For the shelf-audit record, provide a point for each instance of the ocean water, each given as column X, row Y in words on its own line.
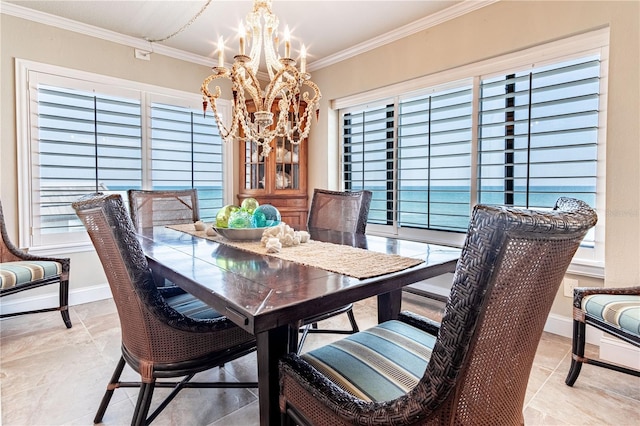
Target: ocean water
column 440, row 208
column 449, row 208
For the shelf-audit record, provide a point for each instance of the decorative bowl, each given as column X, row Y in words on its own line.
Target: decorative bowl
column 241, row 234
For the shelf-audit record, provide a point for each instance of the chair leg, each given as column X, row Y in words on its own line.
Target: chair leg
column 143, row 404
column 577, row 351
column 352, row 320
column 64, row 302
column 305, row 332
column 169, row 398
column 109, row 393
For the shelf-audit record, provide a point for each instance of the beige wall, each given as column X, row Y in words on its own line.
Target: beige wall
column 494, row 30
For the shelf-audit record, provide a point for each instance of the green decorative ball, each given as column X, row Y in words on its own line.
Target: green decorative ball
column 222, row 217
column 249, row 205
column 240, row 219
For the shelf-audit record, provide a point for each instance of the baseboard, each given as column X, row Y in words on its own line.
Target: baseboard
column 619, row 352
column 563, row 326
column 12, row 304
column 556, row 324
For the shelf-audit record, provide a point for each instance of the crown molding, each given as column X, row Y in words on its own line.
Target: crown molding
column 459, row 9
column 452, row 12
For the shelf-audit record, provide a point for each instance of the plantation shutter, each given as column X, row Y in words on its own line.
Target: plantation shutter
column 187, row 153
column 86, row 142
column 368, row 158
column 434, row 160
column 538, row 135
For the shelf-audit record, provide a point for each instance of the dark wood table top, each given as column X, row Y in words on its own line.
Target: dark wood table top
column 268, row 296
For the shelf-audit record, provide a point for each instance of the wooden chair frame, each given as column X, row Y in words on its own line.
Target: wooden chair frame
column 10, row 253
column 580, row 321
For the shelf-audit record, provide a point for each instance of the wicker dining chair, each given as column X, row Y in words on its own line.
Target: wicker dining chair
column 338, row 211
column 149, row 208
column 20, row 271
column 473, row 368
column 615, row 311
column 159, row 340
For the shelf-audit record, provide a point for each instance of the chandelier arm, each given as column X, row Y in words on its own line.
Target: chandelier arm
column 277, row 86
column 225, row 133
column 251, row 85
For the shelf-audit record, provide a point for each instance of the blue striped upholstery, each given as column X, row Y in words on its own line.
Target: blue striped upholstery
column 378, row 364
column 22, row 272
column 191, row 306
column 622, row 311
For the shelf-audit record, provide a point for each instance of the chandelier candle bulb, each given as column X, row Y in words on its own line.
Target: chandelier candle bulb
column 220, row 52
column 303, row 60
column 242, row 34
column 287, row 43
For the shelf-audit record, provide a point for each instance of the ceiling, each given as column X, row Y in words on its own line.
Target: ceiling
column 328, row 28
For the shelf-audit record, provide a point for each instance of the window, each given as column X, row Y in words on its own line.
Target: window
column 87, row 142
column 186, row 151
column 521, row 136
column 538, row 135
column 87, row 133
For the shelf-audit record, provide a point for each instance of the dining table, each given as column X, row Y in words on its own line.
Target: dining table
column 269, row 295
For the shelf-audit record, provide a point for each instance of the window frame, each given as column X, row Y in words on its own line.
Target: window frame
column 26, row 72
column 588, row 261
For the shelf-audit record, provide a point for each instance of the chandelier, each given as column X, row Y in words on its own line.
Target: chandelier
column 296, row 96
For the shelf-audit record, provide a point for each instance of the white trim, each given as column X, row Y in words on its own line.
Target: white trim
column 580, row 266
column 23, row 134
column 55, row 70
column 563, row 326
column 619, row 352
column 51, row 299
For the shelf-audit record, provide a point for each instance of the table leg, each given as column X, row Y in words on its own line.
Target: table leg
column 389, row 305
column 271, row 346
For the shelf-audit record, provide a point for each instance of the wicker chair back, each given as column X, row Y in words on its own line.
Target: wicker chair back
column 339, row 211
column 165, row 207
column 512, row 264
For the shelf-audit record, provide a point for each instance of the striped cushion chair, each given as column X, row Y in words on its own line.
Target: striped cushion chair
column 20, row 271
column 615, row 311
column 474, row 367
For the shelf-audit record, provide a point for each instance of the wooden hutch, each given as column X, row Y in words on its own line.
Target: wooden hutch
column 279, row 179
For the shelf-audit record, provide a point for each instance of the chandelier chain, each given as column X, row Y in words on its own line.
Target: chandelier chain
column 184, row 27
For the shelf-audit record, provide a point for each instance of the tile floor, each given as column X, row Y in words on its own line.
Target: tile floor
column 50, row 375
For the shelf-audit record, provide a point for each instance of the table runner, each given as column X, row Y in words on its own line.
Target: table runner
column 346, row 260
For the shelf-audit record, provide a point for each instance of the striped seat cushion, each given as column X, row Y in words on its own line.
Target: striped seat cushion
column 622, row 311
column 378, row 364
column 190, row 306
column 22, row 272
